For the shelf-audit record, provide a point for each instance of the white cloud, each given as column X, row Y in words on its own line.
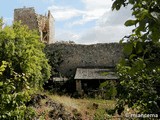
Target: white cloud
column 64, row 13
column 89, row 16
column 66, row 35
column 109, row 28
column 97, row 34
column 93, row 9
column 97, row 4
column 106, row 34
column 115, row 18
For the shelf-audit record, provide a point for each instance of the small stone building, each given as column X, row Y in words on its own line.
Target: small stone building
column 87, row 63
column 91, row 78
column 43, row 24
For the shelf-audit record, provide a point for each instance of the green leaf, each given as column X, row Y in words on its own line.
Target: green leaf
column 132, row 56
column 1, row 83
column 130, row 22
column 143, row 14
column 139, row 47
column 103, row 84
column 132, row 1
column 128, row 48
column 121, row 41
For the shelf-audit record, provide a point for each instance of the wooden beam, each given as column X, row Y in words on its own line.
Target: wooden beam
column 79, row 86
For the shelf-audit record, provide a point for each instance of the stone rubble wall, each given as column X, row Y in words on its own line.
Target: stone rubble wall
column 86, row 56
column 27, row 16
column 51, row 26
column 43, row 24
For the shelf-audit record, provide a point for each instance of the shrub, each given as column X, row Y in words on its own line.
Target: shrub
column 23, row 70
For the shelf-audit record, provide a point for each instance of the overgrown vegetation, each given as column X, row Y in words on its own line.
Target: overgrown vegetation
column 49, row 106
column 55, row 59
column 23, row 70
column 139, row 71
column 109, row 89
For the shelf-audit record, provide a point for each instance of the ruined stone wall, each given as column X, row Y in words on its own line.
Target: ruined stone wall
column 51, row 28
column 27, row 17
column 43, row 24
column 90, row 56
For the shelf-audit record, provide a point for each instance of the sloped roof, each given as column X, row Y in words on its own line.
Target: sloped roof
column 89, row 74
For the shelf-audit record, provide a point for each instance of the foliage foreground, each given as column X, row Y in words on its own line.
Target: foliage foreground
column 23, row 69
column 139, row 71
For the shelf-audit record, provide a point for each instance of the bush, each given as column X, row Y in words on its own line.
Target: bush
column 23, row 69
column 110, row 89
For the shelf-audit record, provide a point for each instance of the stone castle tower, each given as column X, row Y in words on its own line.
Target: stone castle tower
column 43, row 24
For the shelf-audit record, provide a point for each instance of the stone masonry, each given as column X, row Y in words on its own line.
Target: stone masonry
column 86, row 56
column 43, row 24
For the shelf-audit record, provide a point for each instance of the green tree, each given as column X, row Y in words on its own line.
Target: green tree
column 139, row 71
column 1, row 23
column 55, row 59
column 24, row 68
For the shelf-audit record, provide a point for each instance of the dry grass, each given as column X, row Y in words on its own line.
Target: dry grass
column 66, row 101
column 80, row 104
column 84, row 106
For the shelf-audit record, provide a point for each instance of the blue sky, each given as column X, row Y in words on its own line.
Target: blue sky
column 81, row 21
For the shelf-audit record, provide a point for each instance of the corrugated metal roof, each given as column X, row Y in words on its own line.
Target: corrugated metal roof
column 106, row 74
